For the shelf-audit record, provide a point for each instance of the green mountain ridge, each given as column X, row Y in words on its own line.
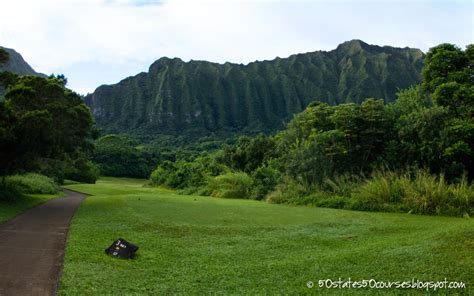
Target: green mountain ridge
column 198, row 97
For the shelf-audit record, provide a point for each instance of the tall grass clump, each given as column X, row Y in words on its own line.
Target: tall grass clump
column 340, row 185
column 330, row 193
column 289, row 191
column 31, row 183
column 420, row 193
column 434, row 196
column 229, row 185
column 462, row 197
column 383, row 191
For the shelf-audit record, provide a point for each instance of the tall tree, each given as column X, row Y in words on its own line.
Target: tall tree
column 42, row 124
column 448, row 76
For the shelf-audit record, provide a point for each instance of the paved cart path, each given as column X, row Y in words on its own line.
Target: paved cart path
column 32, row 247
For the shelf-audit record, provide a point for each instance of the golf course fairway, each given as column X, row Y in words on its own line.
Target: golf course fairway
column 205, row 245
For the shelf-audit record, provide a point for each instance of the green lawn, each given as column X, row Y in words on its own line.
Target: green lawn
column 197, row 245
column 10, row 209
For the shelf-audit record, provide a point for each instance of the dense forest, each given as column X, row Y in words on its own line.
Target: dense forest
column 186, row 101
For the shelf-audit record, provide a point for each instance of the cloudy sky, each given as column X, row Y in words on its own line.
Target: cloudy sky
column 96, row 42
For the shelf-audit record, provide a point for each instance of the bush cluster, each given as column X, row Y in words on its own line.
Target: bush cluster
column 31, row 183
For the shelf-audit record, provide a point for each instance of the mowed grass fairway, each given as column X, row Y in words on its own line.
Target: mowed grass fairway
column 197, row 245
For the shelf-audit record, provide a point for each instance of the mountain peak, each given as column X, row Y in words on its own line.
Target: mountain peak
column 354, row 42
column 163, row 61
column 16, row 64
column 356, row 46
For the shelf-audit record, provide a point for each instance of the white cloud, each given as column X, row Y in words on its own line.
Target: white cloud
column 101, row 41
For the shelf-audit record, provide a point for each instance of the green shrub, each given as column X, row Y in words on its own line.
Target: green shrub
column 372, row 206
column 180, row 176
column 287, row 191
column 264, row 180
column 172, row 174
column 186, row 174
column 230, row 185
column 321, row 199
column 158, row 176
column 70, row 182
column 335, row 202
column 31, row 184
column 82, row 170
column 54, row 169
column 9, row 193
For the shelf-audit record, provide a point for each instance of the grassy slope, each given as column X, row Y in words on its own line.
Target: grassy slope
column 10, row 209
column 191, row 244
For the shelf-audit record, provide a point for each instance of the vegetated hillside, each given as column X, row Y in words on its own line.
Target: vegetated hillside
column 15, row 64
column 198, row 97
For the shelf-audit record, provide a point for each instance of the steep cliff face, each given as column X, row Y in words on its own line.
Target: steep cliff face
column 175, row 97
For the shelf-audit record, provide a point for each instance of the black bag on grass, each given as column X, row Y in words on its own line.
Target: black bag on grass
column 121, row 249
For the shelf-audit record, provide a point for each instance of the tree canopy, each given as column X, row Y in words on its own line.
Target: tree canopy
column 43, row 126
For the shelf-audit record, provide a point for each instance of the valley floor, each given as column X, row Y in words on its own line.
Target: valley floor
column 203, row 245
